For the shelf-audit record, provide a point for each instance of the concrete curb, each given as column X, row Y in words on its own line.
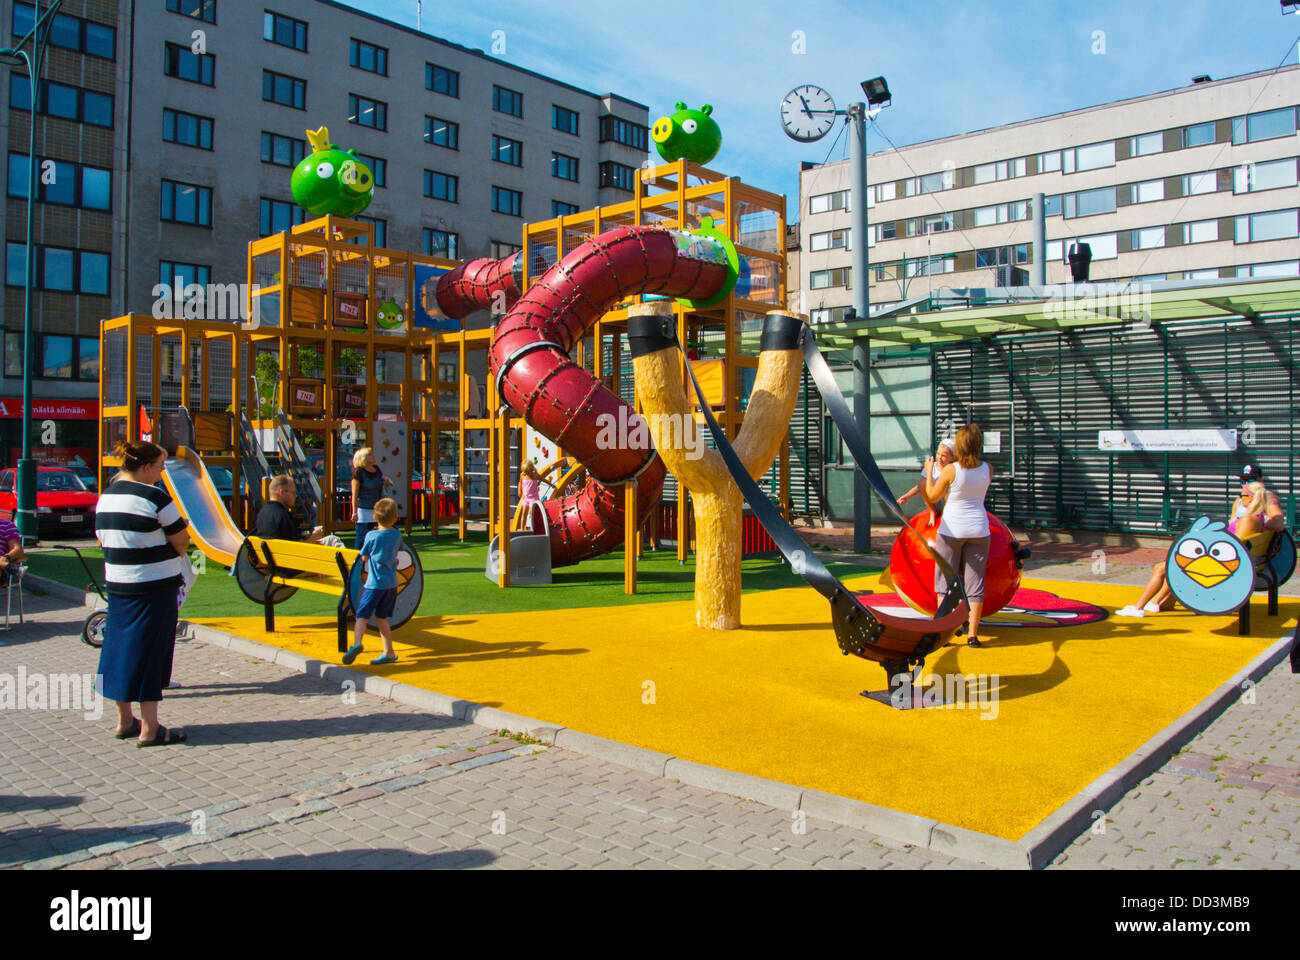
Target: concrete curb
column 1033, row 851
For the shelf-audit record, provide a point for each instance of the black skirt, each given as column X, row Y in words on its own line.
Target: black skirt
column 135, row 663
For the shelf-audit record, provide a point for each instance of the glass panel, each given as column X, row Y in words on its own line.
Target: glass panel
column 1200, row 183
column 17, row 186
column 1273, row 226
column 1104, row 246
column 1098, row 155
column 61, row 101
column 57, row 274
column 94, row 273
column 1198, row 134
column 56, row 356
column 1092, row 202
column 15, row 264
column 1275, row 123
column 13, row 355
column 1151, row 190
column 88, row 358
column 1149, row 238
column 1048, row 162
column 1146, row 144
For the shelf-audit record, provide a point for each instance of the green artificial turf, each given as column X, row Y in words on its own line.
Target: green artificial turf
column 454, row 582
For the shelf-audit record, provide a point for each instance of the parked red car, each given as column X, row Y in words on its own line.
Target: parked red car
column 62, row 500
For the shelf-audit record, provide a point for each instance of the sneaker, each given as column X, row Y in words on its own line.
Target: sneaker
column 1130, row 611
column 1152, row 607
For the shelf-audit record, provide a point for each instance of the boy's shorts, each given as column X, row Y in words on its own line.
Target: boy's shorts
column 377, row 603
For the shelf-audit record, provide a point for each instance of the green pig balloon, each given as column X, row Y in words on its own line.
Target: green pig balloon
column 692, row 134
column 330, row 180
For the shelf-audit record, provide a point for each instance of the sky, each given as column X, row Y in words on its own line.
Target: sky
column 951, row 67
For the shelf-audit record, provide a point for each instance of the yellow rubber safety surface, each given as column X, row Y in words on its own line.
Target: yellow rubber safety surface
column 776, row 698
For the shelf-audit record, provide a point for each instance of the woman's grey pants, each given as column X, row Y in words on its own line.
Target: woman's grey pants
column 968, row 556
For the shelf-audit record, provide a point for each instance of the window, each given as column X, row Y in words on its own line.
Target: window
column 1203, row 231
column 378, row 168
column 623, row 131
column 187, row 129
column 831, row 240
column 833, row 315
column 286, row 31
column 365, row 112
column 56, row 357
column 1049, row 162
column 1052, row 205
column 886, row 191
column 178, row 276
column 499, row 250
column 1285, row 268
column 1194, row 183
column 1264, row 126
column 284, row 90
column 58, row 269
column 441, row 186
column 186, row 203
column 1146, row 144
column 1091, row 157
column 278, row 216
column 939, row 223
column 440, row 243
column 69, row 32
column 1148, row 191
column 61, row 100
column 987, row 216
column 885, row 231
column 1087, row 203
column 441, row 80
column 507, row 201
column 562, row 209
column 69, row 184
column 1149, row 239
column 564, row 119
column 826, row 202
column 1252, row 177
column 1276, row 225
column 1105, row 246
column 932, row 183
column 984, row 173
column 836, row 277
column 564, row 167
column 183, row 64
column 367, row 56
column 617, row 175
column 1198, row 134
column 198, row 9
column 282, row 151
column 442, row 133
column 507, row 101
column 505, row 150
column 88, row 358
column 381, row 231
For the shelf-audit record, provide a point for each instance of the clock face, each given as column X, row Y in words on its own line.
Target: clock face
column 807, row 113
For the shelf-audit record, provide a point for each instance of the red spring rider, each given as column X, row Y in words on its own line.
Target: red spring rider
column 912, row 568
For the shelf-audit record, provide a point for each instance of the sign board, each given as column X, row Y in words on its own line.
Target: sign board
column 1167, row 441
column 993, row 441
column 12, row 409
column 427, row 314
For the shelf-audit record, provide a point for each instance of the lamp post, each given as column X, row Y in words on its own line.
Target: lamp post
column 25, row 488
column 878, row 97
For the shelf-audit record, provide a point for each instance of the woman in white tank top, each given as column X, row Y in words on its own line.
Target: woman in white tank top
column 963, row 536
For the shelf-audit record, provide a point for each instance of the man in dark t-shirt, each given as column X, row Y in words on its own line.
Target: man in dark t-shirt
column 275, row 520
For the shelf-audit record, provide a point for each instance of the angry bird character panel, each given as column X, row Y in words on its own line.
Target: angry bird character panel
column 1209, row 570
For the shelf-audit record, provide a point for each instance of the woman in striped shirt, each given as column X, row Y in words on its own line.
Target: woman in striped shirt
column 145, row 540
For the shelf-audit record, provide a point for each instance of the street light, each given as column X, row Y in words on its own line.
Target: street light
column 25, row 488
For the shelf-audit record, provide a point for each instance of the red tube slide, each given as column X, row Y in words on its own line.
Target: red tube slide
column 559, row 398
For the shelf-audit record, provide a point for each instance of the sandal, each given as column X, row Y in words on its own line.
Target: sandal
column 974, row 642
column 131, row 731
column 163, row 737
column 386, row 658
column 352, row 653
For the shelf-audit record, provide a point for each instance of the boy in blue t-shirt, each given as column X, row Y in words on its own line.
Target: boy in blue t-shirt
column 380, row 592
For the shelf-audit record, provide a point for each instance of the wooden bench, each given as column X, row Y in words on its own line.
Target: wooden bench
column 314, row 567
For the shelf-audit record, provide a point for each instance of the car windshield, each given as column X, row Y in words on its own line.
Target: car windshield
column 57, row 481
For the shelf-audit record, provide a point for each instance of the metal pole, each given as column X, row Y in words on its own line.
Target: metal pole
column 26, row 474
column 1039, row 213
column 860, row 285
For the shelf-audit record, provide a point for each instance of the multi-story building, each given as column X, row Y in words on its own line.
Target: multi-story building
column 174, row 126
column 1197, row 182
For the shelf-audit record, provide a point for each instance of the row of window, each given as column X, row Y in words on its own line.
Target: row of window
column 58, row 356
column 58, row 269
column 62, row 100
column 63, row 183
column 1266, row 125
column 68, row 32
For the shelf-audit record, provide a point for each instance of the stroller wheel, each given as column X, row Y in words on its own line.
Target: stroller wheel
column 92, row 631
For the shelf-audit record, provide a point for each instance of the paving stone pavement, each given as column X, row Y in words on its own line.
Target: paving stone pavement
column 287, row 771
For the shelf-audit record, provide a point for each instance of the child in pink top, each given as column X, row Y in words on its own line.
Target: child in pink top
column 530, row 485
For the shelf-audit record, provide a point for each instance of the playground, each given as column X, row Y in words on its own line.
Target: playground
column 658, row 593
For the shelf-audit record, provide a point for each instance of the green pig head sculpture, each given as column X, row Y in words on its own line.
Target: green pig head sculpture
column 330, row 180
column 692, row 134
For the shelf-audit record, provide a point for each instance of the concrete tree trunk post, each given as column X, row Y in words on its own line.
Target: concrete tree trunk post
column 679, row 440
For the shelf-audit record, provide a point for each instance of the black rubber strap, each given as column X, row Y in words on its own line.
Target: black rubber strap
column 861, row 453
column 649, row 333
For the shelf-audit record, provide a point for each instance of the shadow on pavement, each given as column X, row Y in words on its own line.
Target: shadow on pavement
column 386, row 858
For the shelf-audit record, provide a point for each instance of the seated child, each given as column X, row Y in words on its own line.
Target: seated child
column 380, row 593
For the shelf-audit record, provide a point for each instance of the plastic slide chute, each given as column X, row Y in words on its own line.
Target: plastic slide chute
column 191, row 487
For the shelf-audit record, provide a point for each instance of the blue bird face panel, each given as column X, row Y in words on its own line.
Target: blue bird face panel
column 1210, row 570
